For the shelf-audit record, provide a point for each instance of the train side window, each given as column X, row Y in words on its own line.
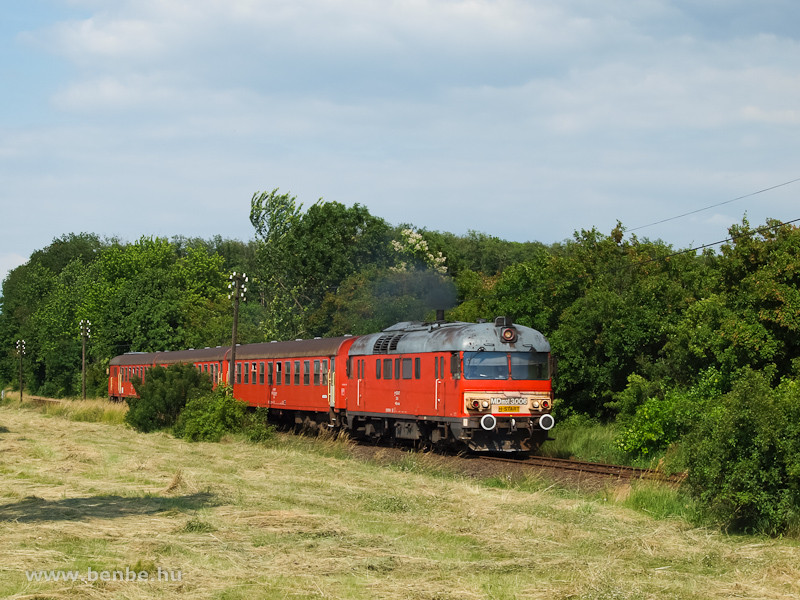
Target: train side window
column 254, row 374
column 441, row 366
column 407, row 368
column 435, row 367
column 387, row 368
column 287, row 373
column 378, row 369
column 247, row 372
column 278, row 372
column 261, row 373
column 455, row 365
column 238, row 372
column 397, row 368
column 416, row 368
column 325, row 371
column 306, row 372
column 316, row 372
column 297, row 372
column 269, row 373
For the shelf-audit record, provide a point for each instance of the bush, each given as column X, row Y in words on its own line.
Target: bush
column 660, row 422
column 744, row 457
column 163, row 395
column 209, row 417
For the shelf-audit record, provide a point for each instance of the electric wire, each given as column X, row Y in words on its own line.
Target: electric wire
column 635, row 266
column 715, row 205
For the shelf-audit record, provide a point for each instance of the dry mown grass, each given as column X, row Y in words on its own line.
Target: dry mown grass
column 294, row 520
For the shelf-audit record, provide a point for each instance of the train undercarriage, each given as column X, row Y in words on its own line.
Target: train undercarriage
column 521, row 434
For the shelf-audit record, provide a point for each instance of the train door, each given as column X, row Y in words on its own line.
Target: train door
column 438, row 372
column 331, row 374
column 361, row 366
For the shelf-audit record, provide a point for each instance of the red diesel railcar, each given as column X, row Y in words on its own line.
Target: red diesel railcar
column 483, row 386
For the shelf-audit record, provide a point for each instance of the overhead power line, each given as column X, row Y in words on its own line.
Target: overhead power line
column 638, row 265
column 715, row 205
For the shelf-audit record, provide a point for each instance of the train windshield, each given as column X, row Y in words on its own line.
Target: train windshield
column 502, row 365
column 529, row 365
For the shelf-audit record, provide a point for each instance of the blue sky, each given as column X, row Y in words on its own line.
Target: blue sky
column 525, row 120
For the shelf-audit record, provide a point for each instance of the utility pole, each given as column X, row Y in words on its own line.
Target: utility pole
column 20, row 353
column 237, row 291
column 85, row 324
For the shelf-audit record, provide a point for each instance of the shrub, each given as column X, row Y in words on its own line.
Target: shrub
column 211, row 416
column 744, row 457
column 660, row 422
column 163, row 395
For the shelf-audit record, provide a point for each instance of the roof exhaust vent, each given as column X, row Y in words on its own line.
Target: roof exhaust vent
column 440, row 315
column 503, row 322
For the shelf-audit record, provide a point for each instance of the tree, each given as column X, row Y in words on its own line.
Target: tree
column 304, row 256
column 373, row 299
column 163, row 395
column 744, row 457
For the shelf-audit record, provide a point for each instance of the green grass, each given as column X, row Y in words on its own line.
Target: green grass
column 584, row 439
column 662, row 502
column 303, row 517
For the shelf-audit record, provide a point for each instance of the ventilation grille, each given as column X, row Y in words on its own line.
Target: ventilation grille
column 386, row 343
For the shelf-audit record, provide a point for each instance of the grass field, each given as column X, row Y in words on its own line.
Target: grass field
column 302, row 518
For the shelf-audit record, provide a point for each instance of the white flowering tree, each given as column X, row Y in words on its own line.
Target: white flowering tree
column 414, row 247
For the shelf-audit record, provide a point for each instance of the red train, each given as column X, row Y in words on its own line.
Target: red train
column 483, row 386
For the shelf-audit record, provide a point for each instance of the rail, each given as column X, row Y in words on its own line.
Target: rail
column 619, row 471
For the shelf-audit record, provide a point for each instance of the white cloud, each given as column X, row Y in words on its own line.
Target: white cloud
column 524, row 118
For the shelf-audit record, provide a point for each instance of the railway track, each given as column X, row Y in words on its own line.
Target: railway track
column 618, row 471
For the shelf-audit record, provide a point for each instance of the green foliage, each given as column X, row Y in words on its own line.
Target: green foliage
column 638, row 391
column 149, row 295
column 479, row 252
column 583, row 438
column 662, row 501
column 163, row 395
column 744, row 457
column 374, row 299
column 305, row 256
column 209, row 417
column 663, row 419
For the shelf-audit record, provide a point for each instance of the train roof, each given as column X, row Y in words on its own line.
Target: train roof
column 412, row 337
column 265, row 350
column 409, row 337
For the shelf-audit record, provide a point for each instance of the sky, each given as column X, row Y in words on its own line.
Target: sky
column 525, row 120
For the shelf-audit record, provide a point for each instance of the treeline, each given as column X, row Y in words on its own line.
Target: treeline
column 650, row 336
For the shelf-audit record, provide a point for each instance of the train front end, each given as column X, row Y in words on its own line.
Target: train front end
column 505, row 375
